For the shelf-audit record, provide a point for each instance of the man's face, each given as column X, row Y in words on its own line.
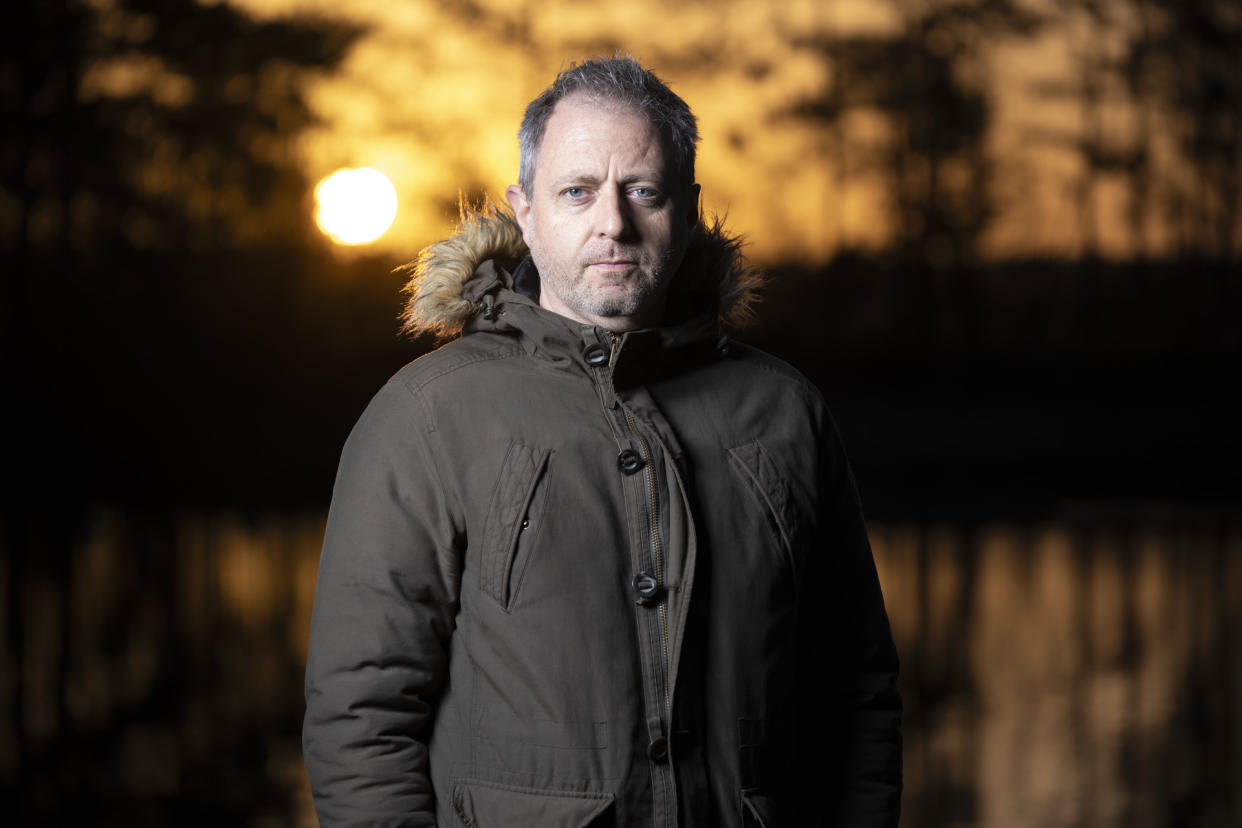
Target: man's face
column 607, row 221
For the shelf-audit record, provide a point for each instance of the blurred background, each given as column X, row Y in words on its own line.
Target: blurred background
column 1005, row 240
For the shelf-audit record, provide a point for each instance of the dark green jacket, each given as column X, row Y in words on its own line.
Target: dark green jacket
column 577, row 579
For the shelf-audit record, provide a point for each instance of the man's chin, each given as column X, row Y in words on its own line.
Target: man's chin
column 614, row 301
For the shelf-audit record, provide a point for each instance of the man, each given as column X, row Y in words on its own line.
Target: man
column 592, row 563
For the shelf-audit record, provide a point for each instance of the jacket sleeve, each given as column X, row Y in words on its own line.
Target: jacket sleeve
column 850, row 662
column 384, row 610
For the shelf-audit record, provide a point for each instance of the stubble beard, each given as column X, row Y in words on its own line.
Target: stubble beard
column 641, row 288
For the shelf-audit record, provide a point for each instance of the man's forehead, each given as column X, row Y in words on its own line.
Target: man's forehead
column 583, row 100
column 579, row 109
column 577, row 126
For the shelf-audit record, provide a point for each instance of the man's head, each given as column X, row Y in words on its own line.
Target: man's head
column 607, row 199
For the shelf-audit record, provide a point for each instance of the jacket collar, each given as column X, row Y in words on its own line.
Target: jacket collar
column 505, row 305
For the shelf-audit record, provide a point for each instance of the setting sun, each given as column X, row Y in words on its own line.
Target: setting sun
column 355, row 206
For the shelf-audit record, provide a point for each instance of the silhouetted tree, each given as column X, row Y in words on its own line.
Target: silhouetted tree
column 1175, row 70
column 156, row 123
column 929, row 82
column 1190, row 62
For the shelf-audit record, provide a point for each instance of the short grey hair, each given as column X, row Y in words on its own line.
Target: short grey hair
column 619, row 81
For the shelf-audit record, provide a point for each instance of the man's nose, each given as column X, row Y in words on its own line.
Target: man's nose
column 612, row 219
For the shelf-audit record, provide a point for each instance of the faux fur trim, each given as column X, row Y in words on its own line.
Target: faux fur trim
column 714, row 274
column 434, row 304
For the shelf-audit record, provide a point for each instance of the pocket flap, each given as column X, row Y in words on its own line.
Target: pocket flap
column 755, row 466
column 756, row 810
column 521, row 470
column 487, row 804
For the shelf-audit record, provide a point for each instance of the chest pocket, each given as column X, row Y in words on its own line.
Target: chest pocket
column 514, row 518
column 752, row 463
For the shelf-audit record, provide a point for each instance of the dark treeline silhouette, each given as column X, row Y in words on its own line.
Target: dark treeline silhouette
column 179, row 342
column 1059, row 382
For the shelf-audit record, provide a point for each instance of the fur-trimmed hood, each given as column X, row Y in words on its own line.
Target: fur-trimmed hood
column 714, row 276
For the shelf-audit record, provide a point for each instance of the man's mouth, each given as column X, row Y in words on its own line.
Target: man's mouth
column 613, row 264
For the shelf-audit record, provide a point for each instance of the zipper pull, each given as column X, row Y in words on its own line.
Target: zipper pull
column 614, row 347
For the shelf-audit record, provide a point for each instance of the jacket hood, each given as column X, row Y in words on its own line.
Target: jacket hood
column 715, row 277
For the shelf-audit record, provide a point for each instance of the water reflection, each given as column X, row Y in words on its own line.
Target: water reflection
column 1080, row 672
column 1083, row 671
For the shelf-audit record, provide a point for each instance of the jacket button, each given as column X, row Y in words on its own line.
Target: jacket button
column 595, row 355
column 647, row 589
column 657, row 751
column 629, row 461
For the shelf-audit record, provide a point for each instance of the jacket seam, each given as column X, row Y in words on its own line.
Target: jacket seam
column 416, row 388
column 432, row 446
column 600, row 796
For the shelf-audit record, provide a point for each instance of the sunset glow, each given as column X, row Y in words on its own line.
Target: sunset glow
column 355, row 206
column 832, row 127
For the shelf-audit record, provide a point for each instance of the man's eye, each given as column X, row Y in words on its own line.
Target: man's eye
column 645, row 193
column 575, row 192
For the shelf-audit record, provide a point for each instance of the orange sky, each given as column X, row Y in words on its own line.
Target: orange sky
column 435, row 104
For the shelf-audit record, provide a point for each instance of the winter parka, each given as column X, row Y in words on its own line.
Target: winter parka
column 572, row 578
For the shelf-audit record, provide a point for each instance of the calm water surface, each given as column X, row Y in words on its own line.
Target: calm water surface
column 1080, row 672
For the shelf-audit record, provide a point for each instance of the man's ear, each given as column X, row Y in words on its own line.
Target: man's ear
column 692, row 205
column 521, row 206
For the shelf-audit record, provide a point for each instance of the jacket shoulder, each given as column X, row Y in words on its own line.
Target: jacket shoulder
column 769, row 373
column 454, row 357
